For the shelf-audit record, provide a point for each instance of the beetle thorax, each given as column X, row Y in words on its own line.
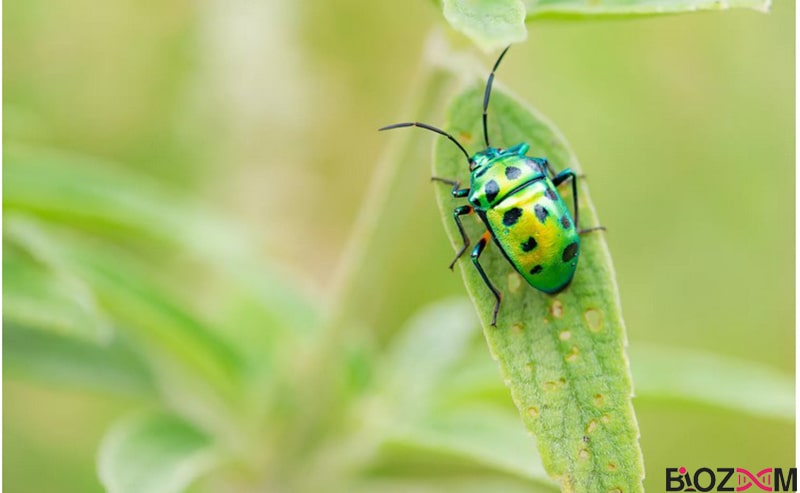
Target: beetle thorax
column 498, row 172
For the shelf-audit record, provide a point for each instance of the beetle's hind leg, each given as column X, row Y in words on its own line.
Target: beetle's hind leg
column 476, row 252
column 560, row 178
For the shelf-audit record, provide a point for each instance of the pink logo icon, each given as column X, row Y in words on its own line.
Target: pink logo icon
column 763, row 479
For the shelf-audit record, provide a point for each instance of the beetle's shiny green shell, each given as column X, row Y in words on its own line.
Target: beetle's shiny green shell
column 526, row 216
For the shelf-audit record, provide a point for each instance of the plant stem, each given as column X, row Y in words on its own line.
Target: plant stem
column 317, row 377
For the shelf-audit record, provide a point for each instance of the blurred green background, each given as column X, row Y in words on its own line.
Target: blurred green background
column 267, row 111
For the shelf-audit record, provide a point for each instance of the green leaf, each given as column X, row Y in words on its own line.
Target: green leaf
column 156, row 453
column 672, row 376
column 428, row 346
column 103, row 199
column 66, row 361
column 560, row 8
column 417, row 376
column 486, row 435
column 683, row 375
column 561, row 355
column 492, row 24
column 40, row 293
column 165, row 331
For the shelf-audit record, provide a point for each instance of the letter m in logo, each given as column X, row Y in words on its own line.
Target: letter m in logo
column 785, row 483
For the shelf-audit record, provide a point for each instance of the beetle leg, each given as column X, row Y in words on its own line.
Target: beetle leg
column 561, row 178
column 457, row 192
column 461, row 211
column 548, row 167
column 476, row 252
column 589, row 230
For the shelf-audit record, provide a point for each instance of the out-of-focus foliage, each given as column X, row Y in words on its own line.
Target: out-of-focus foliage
column 180, row 181
column 493, row 24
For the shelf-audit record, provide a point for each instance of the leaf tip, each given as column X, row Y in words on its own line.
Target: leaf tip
column 491, row 25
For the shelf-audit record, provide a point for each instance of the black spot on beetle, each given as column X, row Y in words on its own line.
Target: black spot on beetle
column 492, row 189
column 512, row 172
column 541, row 213
column 511, row 216
column 565, row 221
column 537, row 269
column 529, row 245
column 550, row 194
column 570, row 252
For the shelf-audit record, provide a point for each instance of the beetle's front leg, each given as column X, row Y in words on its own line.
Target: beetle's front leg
column 456, row 192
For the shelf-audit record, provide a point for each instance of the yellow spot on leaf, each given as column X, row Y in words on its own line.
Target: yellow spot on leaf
column 572, row 356
column 583, row 454
column 564, row 336
column 591, row 426
column 557, row 309
column 517, row 328
column 514, row 282
column 599, row 400
column 533, row 411
column 605, row 419
column 594, row 319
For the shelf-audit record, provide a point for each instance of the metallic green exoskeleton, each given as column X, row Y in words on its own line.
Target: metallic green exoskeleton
column 517, row 199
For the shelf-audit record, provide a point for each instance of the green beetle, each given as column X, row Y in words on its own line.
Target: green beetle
column 516, row 198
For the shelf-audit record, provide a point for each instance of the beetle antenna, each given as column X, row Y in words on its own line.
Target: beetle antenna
column 488, row 92
column 432, row 129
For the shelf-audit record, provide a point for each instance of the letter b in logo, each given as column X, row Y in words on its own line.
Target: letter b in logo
column 675, row 479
